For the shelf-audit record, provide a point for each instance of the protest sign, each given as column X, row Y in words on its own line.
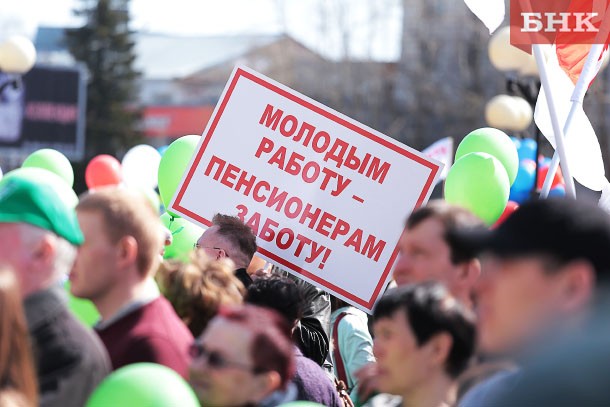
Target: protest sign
column 326, row 196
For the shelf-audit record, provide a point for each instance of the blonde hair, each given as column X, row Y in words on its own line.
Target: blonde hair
column 126, row 213
column 17, row 371
column 198, row 288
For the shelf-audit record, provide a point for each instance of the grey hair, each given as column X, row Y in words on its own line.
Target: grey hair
column 65, row 252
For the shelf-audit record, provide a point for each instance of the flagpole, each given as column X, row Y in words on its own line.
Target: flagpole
column 587, row 74
column 557, row 130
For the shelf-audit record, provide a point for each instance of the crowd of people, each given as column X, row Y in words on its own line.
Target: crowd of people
column 513, row 315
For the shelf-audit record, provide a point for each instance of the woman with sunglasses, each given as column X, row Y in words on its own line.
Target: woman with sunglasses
column 244, row 358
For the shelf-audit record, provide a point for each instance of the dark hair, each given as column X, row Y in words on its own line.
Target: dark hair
column 453, row 218
column 272, row 347
column 278, row 293
column 431, row 310
column 17, row 371
column 238, row 233
column 198, row 288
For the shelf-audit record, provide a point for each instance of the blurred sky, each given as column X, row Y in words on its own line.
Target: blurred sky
column 360, row 28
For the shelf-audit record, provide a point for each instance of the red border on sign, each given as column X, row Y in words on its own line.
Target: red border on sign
column 240, row 73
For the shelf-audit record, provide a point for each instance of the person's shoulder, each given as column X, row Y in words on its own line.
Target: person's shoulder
column 490, row 389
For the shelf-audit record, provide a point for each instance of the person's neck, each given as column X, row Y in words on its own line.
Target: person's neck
column 122, row 294
column 438, row 391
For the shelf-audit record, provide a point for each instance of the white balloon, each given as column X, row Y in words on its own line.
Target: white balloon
column 502, row 113
column 1, row 174
column 504, row 56
column 18, row 54
column 140, row 166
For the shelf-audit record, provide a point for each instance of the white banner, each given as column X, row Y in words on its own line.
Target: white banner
column 326, row 196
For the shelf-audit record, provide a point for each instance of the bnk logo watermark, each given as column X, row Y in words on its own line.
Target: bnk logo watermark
column 559, row 21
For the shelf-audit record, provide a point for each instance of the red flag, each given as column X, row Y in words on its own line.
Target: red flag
column 573, row 47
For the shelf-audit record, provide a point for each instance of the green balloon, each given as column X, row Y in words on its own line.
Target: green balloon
column 83, row 309
column 184, row 236
column 478, row 182
column 51, row 160
column 494, row 142
column 65, row 192
column 143, row 385
column 173, row 164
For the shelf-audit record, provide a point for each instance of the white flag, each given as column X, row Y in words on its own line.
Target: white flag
column 441, row 150
column 582, row 147
column 490, row 12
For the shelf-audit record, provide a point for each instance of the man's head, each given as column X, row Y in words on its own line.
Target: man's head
column 229, row 237
column 243, row 356
column 122, row 242
column 39, row 233
column 421, row 333
column 541, row 269
column 278, row 293
column 427, row 255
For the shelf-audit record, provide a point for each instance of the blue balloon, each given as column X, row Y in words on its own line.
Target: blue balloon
column 558, row 191
column 516, row 142
column 526, row 177
column 519, row 196
column 527, row 149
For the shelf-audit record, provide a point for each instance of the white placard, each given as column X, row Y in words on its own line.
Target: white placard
column 326, row 196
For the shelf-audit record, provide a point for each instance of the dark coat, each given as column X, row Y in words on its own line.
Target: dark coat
column 70, row 359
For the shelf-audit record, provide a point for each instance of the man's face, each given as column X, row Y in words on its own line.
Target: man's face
column 425, row 256
column 517, row 302
column 402, row 364
column 214, row 245
column 94, row 273
column 230, row 382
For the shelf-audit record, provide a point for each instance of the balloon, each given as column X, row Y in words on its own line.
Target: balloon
column 140, row 166
column 184, row 236
column 494, row 142
column 519, row 196
column 143, row 385
column 173, row 164
column 1, row 173
column 66, row 194
column 478, row 182
column 51, row 160
column 557, row 180
column 558, row 191
column 528, row 149
column 511, row 206
column 83, row 309
column 516, row 142
column 103, row 170
column 526, row 177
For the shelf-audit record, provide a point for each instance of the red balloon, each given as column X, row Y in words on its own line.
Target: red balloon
column 103, row 170
column 557, row 180
column 508, row 210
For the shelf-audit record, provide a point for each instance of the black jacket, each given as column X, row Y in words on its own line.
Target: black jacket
column 70, row 359
column 311, row 333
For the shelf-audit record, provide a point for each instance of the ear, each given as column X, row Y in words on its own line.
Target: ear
column 440, row 347
column 577, row 285
column 127, row 249
column 267, row 383
column 43, row 255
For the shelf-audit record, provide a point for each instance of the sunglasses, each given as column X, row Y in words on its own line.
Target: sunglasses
column 216, row 361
